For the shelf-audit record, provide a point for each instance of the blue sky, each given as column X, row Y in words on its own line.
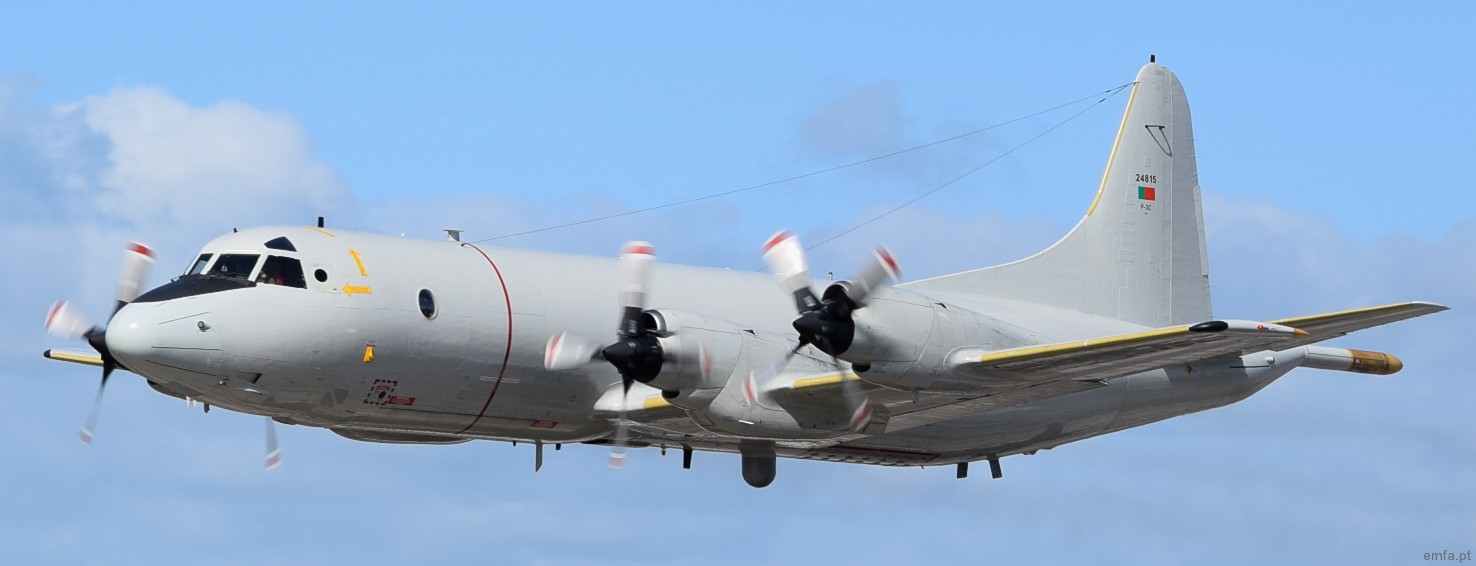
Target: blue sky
column 1334, row 148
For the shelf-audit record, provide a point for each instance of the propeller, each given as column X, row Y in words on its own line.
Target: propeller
column 827, row 322
column 636, row 352
column 64, row 321
column 273, row 454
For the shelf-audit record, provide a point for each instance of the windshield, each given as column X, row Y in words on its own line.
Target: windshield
column 235, row 266
column 199, row 265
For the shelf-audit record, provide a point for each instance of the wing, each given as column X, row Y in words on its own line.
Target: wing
column 1123, row 354
column 1058, row 369
column 1052, row 370
column 1334, row 324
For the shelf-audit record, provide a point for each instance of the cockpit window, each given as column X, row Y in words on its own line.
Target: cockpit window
column 237, row 266
column 199, row 265
column 281, row 243
column 282, row 271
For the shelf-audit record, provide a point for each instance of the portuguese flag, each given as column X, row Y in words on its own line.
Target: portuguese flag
column 1146, row 193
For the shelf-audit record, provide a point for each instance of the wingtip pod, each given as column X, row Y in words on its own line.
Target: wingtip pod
column 1355, row 361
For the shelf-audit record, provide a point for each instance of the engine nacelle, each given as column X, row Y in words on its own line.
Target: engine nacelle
column 903, row 341
column 699, row 352
column 892, row 327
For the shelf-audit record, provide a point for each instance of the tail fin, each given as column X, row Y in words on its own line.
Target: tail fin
column 1138, row 255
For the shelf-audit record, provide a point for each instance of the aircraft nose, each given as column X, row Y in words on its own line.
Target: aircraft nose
column 130, row 335
column 165, row 337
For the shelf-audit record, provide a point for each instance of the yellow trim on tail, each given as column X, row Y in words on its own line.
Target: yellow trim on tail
column 1112, row 157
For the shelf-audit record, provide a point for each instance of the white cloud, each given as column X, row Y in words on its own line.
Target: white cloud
column 228, row 163
column 82, row 179
column 140, row 161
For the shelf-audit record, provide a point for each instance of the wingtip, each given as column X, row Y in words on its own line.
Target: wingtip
column 1395, row 364
column 1434, row 307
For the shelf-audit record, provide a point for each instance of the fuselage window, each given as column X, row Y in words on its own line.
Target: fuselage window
column 427, row 303
column 281, row 243
column 237, row 266
column 199, row 266
column 282, row 271
column 320, row 275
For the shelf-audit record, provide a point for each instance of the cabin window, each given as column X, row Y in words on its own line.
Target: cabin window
column 235, row 266
column 199, row 266
column 281, row 243
column 320, row 275
column 283, row 271
column 427, row 304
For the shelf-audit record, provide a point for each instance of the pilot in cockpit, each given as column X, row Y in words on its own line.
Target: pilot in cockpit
column 270, row 274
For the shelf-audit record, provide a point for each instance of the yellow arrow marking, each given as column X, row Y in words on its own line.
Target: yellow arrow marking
column 360, row 262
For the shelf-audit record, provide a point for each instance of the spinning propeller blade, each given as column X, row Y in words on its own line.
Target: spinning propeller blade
column 273, row 453
column 63, row 321
column 137, row 260
column 567, row 351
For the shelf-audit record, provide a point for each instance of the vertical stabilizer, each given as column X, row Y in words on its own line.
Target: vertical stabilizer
column 1138, row 255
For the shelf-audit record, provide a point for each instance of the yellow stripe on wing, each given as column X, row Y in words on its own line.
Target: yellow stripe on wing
column 654, row 403
column 826, row 380
column 1032, row 352
column 1315, row 318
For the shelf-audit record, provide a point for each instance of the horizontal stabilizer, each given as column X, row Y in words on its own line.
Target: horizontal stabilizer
column 74, row 356
column 1124, row 354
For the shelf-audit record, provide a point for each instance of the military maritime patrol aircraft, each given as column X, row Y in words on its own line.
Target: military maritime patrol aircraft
column 392, row 340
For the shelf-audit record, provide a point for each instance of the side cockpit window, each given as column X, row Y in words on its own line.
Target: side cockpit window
column 235, row 266
column 284, row 271
column 199, row 265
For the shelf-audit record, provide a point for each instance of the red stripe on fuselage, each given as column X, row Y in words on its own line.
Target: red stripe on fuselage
column 507, row 353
